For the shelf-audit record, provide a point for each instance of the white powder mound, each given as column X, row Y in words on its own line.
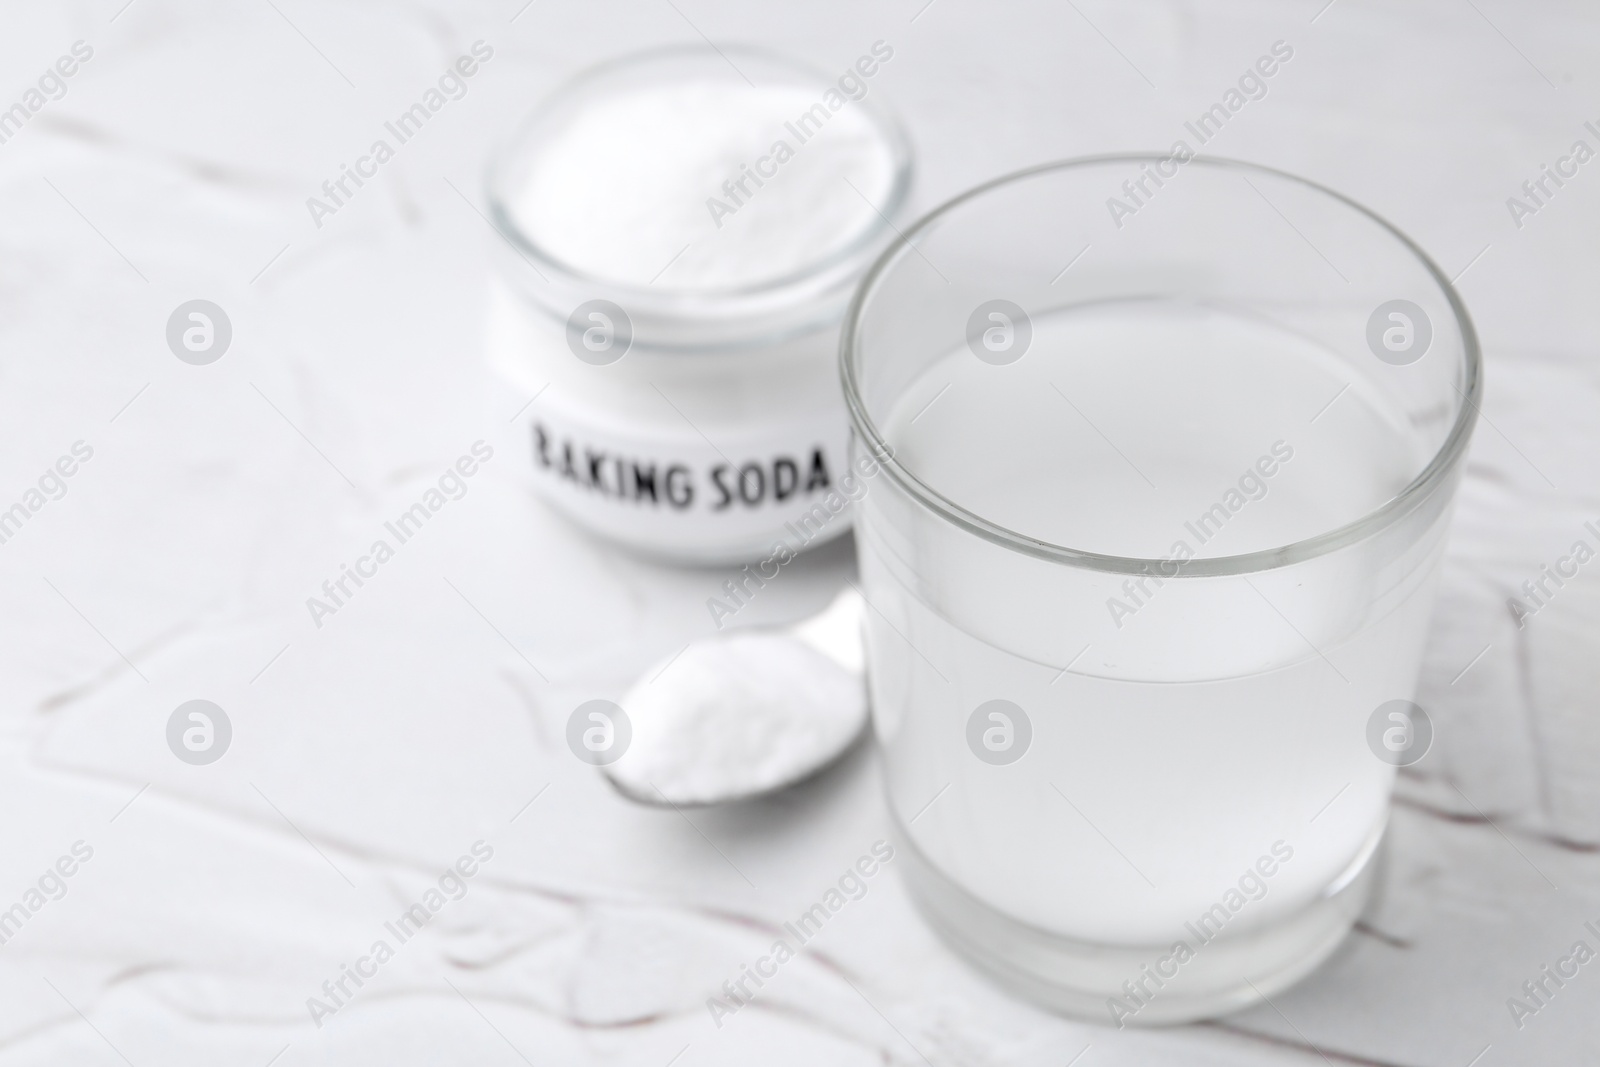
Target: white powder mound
column 736, row 715
column 619, row 191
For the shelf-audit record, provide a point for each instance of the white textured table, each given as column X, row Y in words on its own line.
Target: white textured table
column 426, row 715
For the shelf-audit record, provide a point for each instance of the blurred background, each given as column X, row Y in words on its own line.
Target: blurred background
column 423, row 723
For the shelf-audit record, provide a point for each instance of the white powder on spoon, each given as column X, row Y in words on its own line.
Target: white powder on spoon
column 746, row 712
column 620, row 189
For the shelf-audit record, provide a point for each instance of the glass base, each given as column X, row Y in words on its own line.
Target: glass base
column 1124, row 985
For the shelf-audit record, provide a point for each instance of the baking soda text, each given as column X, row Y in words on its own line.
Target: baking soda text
column 677, row 485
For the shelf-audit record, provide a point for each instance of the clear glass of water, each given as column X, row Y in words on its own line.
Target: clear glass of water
column 1168, row 449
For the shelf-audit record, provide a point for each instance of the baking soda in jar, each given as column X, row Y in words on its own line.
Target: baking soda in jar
column 683, row 229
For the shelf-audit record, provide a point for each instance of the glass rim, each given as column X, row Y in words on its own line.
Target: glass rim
column 1391, row 511
column 710, row 299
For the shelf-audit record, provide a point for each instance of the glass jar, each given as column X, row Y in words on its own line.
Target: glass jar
column 679, row 247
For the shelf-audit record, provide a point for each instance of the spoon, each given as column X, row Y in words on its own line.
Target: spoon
column 747, row 712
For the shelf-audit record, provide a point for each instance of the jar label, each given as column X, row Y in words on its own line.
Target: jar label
column 686, row 495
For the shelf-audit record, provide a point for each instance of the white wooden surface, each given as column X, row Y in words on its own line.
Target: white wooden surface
column 370, row 753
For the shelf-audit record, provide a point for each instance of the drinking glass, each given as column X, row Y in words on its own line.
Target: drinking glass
column 1168, row 449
